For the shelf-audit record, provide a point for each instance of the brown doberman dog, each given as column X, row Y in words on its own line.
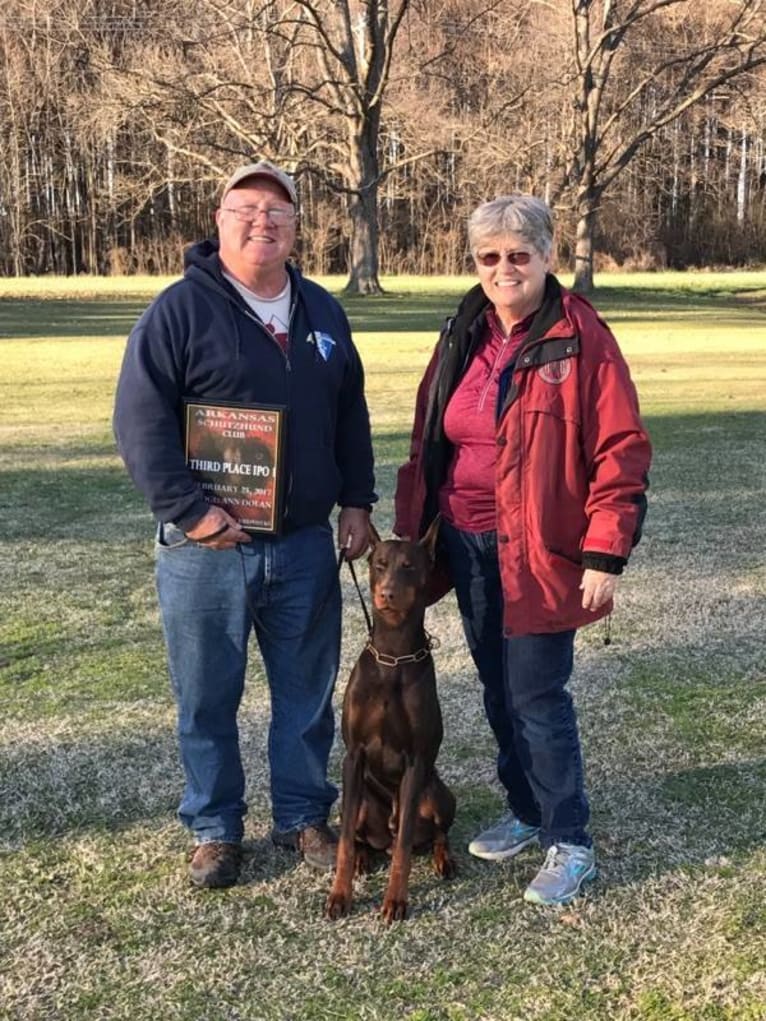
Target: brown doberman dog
column 393, row 798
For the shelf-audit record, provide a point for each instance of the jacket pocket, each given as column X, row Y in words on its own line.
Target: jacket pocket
column 551, row 400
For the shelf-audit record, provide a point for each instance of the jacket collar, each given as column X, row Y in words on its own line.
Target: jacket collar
column 550, row 320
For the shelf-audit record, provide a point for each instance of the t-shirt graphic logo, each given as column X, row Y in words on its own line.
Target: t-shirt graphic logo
column 278, row 329
column 324, row 343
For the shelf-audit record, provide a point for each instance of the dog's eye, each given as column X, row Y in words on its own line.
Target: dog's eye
column 380, row 565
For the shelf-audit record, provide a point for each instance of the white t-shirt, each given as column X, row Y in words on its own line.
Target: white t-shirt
column 274, row 313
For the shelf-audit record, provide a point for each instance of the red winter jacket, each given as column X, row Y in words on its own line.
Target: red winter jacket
column 572, row 457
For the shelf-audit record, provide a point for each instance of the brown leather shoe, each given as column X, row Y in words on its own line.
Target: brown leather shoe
column 317, row 844
column 215, row 864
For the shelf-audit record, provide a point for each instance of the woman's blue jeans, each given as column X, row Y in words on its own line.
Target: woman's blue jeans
column 526, row 699
column 286, row 589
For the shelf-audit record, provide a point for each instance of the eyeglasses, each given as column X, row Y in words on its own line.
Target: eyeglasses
column 278, row 215
column 493, row 258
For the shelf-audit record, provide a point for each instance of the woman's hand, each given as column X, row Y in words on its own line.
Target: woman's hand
column 597, row 587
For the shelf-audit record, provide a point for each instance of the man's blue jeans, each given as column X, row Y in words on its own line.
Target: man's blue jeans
column 208, row 599
column 528, row 706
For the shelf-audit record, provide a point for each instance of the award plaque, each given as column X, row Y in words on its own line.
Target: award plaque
column 235, row 452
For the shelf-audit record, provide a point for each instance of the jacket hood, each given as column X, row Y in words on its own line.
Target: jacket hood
column 204, row 255
column 202, row 262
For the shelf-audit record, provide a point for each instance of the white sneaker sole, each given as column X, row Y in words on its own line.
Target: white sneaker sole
column 508, row 852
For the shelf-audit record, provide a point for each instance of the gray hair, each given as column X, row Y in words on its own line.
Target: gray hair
column 512, row 214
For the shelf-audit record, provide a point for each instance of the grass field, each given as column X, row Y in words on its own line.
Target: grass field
column 96, row 918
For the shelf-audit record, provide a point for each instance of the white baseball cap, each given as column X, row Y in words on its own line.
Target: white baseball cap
column 262, row 169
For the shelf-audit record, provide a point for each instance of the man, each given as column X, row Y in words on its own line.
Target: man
column 244, row 327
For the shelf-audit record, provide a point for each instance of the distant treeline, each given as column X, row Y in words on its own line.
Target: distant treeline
column 118, row 119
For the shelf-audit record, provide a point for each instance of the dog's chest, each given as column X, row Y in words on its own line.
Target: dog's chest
column 383, row 713
column 393, row 720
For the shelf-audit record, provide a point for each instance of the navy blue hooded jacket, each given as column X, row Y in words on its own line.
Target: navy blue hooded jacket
column 198, row 339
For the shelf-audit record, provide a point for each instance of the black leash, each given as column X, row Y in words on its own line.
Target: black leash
column 341, row 558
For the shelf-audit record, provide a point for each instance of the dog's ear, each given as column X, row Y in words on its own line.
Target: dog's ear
column 373, row 533
column 428, row 542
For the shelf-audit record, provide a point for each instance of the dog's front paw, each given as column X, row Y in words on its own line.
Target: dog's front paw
column 338, row 904
column 393, row 909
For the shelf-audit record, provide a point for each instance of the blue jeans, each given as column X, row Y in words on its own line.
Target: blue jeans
column 208, row 599
column 526, row 701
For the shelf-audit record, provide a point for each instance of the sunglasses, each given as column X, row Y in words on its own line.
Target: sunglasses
column 493, row 258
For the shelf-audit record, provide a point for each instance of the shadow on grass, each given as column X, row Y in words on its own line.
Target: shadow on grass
column 65, row 502
column 620, row 304
column 68, row 319
column 109, row 782
column 98, row 784
column 692, row 818
column 726, row 792
column 393, row 312
column 695, row 818
column 62, row 498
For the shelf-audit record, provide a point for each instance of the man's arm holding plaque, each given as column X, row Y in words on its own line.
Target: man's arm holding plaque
column 146, row 423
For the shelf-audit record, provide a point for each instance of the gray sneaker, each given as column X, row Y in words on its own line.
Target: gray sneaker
column 504, row 839
column 566, row 868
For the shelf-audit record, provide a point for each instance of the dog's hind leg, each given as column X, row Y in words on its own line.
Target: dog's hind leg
column 444, row 863
column 437, row 810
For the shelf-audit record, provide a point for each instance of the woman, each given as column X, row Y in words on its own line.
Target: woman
column 527, row 439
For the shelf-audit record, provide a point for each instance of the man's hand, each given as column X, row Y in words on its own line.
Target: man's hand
column 353, row 531
column 218, row 530
column 598, row 587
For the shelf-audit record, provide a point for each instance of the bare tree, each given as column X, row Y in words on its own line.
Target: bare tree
column 302, row 82
column 353, row 44
column 686, row 57
column 641, row 121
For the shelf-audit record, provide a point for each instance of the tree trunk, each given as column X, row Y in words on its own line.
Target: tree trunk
column 363, row 254
column 586, row 223
column 363, row 250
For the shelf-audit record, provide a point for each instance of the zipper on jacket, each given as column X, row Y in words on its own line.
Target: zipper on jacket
column 288, row 370
column 290, row 479
column 513, row 389
column 500, row 352
column 251, row 315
